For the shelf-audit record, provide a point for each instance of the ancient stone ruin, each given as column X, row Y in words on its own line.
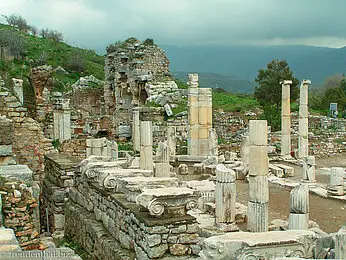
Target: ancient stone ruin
column 117, row 173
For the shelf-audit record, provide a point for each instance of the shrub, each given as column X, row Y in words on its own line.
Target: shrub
column 13, row 41
column 75, row 62
column 148, row 41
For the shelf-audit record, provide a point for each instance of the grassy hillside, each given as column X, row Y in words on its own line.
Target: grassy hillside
column 38, row 51
column 224, row 100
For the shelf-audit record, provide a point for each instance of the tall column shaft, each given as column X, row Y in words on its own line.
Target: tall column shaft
column 200, row 117
column 62, row 120
column 286, row 119
column 162, row 166
column 146, row 151
column 193, row 127
column 171, row 140
column 258, row 176
column 136, row 130
column 303, row 144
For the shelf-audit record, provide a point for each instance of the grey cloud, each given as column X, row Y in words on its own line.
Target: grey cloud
column 96, row 23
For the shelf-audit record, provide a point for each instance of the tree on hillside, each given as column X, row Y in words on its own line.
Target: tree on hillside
column 17, row 21
column 334, row 95
column 268, row 90
column 51, row 34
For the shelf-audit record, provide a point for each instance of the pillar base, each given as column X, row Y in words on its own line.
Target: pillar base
column 298, row 221
column 257, row 217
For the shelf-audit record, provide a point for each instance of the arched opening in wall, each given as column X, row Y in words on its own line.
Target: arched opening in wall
column 102, row 133
column 123, row 77
column 143, row 97
column 29, row 98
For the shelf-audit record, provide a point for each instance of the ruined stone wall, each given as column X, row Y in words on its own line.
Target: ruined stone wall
column 74, row 147
column 20, row 210
column 128, row 67
column 89, row 101
column 29, row 145
column 94, row 209
column 6, row 139
column 59, row 174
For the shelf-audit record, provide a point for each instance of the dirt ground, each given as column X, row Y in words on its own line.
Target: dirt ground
column 330, row 214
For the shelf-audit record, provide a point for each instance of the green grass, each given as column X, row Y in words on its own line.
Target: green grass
column 232, row 102
column 39, row 51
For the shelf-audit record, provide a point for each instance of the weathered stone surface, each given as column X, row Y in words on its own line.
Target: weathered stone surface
column 133, row 186
column 225, row 195
column 21, row 172
column 303, row 147
column 178, row 249
column 146, row 158
column 8, row 241
column 264, row 245
column 158, row 200
column 257, row 217
column 183, row 169
column 340, row 243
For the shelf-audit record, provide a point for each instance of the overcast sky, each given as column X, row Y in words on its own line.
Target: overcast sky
column 96, row 23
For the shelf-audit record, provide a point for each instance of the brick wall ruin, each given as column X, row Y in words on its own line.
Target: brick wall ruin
column 29, row 145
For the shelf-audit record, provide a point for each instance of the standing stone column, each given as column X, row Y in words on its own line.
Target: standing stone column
column 225, row 195
column 171, row 140
column 258, row 177
column 286, row 119
column 200, row 118
column 162, row 166
column 146, row 151
column 336, row 182
column 193, row 127
column 18, row 89
column 244, row 150
column 62, row 119
column 206, row 135
column 303, row 143
column 309, row 171
column 136, row 130
column 340, row 243
column 299, row 208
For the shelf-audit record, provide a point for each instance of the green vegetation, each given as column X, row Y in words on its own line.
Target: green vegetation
column 268, row 92
column 333, row 91
column 31, row 51
column 232, row 102
column 125, row 146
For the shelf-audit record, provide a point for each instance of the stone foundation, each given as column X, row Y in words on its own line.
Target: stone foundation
column 94, row 214
column 59, row 173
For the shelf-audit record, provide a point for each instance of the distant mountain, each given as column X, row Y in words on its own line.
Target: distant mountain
column 240, row 64
column 216, row 80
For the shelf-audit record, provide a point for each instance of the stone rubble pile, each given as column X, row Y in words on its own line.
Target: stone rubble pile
column 87, row 82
